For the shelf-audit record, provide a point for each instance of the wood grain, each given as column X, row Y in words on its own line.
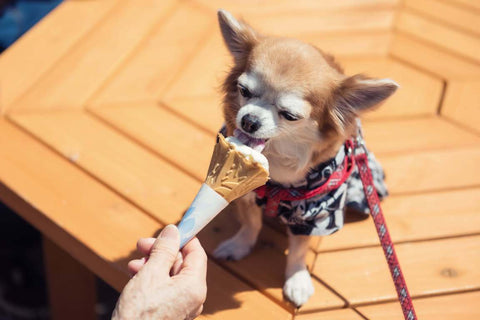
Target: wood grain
column 204, row 111
column 432, row 171
column 433, row 60
column 457, row 42
column 410, row 218
column 351, row 44
column 414, row 135
column 447, row 13
column 20, row 69
column 462, row 306
column 409, row 99
column 462, row 103
column 279, row 6
column 466, row 4
column 79, row 74
column 311, row 22
column 434, row 267
column 164, row 54
column 138, row 175
column 154, row 127
column 203, row 75
column 342, row 314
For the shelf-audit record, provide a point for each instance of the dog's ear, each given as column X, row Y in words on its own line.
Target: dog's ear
column 359, row 93
column 238, row 36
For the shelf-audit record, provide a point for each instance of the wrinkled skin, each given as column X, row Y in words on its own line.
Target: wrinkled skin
column 167, row 284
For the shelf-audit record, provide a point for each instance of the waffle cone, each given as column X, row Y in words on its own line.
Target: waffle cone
column 232, row 174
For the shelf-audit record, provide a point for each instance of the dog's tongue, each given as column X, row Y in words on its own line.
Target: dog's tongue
column 254, row 143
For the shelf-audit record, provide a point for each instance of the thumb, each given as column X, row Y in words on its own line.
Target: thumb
column 165, row 249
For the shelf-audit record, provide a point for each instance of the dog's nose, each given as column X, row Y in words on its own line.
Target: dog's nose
column 250, row 123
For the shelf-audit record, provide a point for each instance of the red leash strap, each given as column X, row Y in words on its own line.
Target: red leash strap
column 385, row 240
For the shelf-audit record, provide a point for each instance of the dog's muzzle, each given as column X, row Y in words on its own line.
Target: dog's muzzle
column 250, row 123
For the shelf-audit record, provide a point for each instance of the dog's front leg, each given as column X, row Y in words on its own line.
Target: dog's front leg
column 250, row 217
column 298, row 286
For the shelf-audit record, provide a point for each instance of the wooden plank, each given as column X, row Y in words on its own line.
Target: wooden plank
column 447, row 13
column 230, row 298
column 71, row 286
column 442, row 266
column 436, row 61
column 20, row 69
column 412, row 218
column 312, row 22
column 462, row 103
column 457, row 42
column 461, row 306
column 277, row 6
column 161, row 57
column 202, row 75
column 86, row 219
column 264, row 268
column 154, row 127
column 342, row 314
column 75, row 78
column 413, row 135
column 351, row 44
column 138, row 175
column 410, row 99
column 204, row 111
column 431, row 171
column 466, row 4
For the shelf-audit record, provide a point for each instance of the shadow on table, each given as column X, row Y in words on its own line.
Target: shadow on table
column 230, row 281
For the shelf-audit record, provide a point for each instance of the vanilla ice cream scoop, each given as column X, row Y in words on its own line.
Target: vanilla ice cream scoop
column 235, row 170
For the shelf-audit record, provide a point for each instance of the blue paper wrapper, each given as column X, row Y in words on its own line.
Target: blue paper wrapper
column 206, row 205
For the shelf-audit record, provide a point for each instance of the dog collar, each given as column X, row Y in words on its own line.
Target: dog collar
column 275, row 193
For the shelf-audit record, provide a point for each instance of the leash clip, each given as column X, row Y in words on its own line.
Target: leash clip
column 359, row 147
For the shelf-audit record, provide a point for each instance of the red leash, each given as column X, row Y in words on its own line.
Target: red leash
column 276, row 194
column 383, row 234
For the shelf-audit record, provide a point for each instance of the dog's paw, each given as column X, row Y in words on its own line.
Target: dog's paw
column 299, row 287
column 234, row 248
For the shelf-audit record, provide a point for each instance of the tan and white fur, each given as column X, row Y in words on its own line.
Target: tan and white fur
column 298, row 99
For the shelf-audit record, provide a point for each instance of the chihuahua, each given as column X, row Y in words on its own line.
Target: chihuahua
column 293, row 101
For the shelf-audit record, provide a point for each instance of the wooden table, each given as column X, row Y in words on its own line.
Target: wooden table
column 104, row 105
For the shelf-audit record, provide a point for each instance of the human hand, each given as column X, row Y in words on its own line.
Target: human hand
column 167, row 284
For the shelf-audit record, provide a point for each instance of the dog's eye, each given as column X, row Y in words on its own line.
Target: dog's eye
column 288, row 116
column 244, row 92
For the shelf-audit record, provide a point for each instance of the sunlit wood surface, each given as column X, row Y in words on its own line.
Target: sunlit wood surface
column 109, row 111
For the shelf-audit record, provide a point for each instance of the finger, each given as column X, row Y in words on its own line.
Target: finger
column 144, row 245
column 194, row 259
column 165, row 249
column 177, row 265
column 135, row 265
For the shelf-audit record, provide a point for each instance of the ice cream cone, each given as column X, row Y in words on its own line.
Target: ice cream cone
column 233, row 173
column 235, row 170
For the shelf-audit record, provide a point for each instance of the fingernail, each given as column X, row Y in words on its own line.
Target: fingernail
column 169, row 231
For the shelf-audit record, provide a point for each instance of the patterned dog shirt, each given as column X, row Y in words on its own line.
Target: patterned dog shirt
column 323, row 214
